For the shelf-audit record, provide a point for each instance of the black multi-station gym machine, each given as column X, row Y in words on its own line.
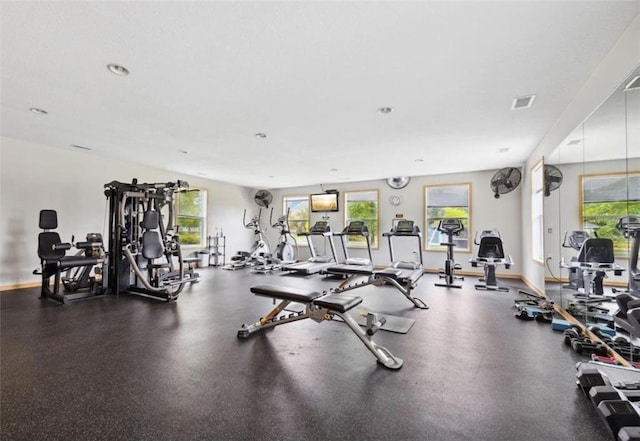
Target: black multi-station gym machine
column 143, row 240
column 143, row 254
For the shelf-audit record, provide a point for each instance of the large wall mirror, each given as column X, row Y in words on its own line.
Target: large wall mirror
column 600, row 166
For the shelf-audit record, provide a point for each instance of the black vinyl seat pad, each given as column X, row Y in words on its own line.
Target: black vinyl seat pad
column 72, row 261
column 333, row 302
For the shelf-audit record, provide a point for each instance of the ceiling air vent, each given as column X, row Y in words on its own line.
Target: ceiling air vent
column 522, row 102
column 633, row 84
column 574, row 142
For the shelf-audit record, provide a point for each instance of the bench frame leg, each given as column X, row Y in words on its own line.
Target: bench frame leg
column 272, row 319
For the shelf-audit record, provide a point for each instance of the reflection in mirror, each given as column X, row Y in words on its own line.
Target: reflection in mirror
column 589, row 253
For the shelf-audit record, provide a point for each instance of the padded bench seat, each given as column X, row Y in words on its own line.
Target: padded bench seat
column 337, row 302
column 72, row 261
column 286, row 293
column 332, row 302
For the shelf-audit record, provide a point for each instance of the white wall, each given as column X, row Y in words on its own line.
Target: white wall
column 34, row 177
column 487, row 213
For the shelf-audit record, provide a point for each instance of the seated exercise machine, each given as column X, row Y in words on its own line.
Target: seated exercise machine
column 353, row 229
column 320, row 307
column 630, row 227
column 259, row 251
column 84, row 272
column 451, row 227
column 315, row 263
column 490, row 255
column 595, row 259
column 403, row 275
column 141, row 246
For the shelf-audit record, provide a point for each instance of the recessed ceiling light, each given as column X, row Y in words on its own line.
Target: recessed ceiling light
column 385, row 110
column 261, row 135
column 574, row 142
column 333, row 169
column 503, row 150
column 81, row 147
column 522, row 102
column 184, row 152
column 118, row 70
column 418, row 160
column 38, row 111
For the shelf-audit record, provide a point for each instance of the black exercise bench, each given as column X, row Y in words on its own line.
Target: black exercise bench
column 319, row 307
column 403, row 278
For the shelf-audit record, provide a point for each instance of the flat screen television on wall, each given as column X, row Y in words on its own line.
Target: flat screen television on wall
column 324, row 202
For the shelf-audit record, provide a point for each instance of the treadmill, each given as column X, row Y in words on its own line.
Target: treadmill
column 315, row 263
column 353, row 265
column 405, row 272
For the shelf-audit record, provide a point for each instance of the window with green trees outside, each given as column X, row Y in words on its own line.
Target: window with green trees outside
column 298, row 207
column 605, row 199
column 445, row 202
column 191, row 217
column 362, row 205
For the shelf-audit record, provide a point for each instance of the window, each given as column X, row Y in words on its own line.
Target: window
column 445, row 202
column 537, row 203
column 298, row 207
column 362, row 205
column 191, row 217
column 606, row 198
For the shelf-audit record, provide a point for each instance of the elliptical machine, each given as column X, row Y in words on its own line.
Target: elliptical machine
column 259, row 251
column 451, row 227
column 575, row 240
column 286, row 252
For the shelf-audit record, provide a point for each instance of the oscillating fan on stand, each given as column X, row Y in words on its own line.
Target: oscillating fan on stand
column 505, row 180
column 263, row 198
column 552, row 178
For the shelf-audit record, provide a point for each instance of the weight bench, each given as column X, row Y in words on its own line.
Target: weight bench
column 403, row 278
column 319, row 307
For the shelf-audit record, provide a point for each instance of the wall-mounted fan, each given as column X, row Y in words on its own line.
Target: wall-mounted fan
column 263, row 198
column 552, row 178
column 398, row 182
column 505, row 180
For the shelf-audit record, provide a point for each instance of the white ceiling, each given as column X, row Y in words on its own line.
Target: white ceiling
column 207, row 76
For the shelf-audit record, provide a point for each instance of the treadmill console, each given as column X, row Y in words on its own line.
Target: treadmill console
column 320, row 227
column 404, row 227
column 357, row 228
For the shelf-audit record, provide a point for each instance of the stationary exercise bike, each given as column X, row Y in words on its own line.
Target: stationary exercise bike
column 451, row 227
column 490, row 255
